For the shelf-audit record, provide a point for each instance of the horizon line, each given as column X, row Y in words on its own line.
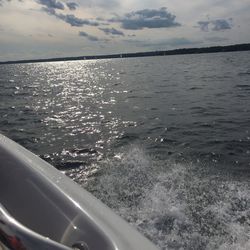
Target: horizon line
column 179, row 51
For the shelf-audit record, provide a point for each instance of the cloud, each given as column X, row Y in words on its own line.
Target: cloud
column 1, row 2
column 89, row 37
column 104, row 4
column 72, row 5
column 52, row 4
column 216, row 25
column 70, row 19
column 222, row 24
column 175, row 42
column 181, row 42
column 49, row 11
column 216, row 39
column 75, row 21
column 203, row 25
column 112, row 31
column 147, row 18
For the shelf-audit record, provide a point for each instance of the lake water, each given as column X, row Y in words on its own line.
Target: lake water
column 163, row 141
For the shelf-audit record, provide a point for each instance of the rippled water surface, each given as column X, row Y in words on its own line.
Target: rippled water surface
column 163, row 141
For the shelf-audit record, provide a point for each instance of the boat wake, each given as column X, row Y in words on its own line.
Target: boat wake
column 177, row 206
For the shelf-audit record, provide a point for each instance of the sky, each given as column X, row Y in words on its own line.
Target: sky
column 32, row 29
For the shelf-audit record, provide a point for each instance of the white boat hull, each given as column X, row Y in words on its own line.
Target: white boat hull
column 51, row 205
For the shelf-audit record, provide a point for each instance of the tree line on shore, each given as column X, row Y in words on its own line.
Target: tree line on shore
column 214, row 49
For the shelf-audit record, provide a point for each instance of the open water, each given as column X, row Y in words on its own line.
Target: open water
column 163, row 141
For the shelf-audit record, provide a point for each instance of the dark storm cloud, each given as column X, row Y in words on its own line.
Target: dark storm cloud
column 51, row 4
column 147, row 18
column 72, row 5
column 89, row 37
column 71, row 19
column 112, row 31
column 216, row 25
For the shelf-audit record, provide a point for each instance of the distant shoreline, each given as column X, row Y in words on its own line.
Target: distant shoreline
column 214, row 49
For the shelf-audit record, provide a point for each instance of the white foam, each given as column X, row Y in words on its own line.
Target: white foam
column 175, row 205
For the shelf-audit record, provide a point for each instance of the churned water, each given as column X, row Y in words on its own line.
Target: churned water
column 163, row 141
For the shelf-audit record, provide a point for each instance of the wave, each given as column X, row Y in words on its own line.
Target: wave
column 177, row 206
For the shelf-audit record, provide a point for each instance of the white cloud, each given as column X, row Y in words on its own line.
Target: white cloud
column 25, row 23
